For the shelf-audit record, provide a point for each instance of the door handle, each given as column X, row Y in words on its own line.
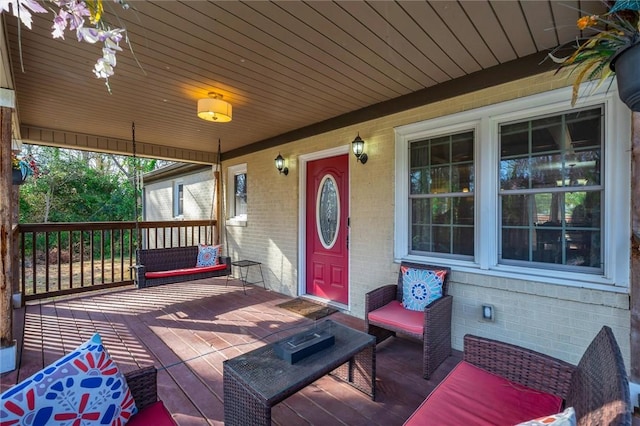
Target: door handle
column 347, row 230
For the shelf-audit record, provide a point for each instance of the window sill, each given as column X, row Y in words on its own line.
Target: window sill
column 236, row 222
column 543, row 276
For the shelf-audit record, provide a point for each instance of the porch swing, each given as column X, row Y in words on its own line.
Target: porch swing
column 175, row 264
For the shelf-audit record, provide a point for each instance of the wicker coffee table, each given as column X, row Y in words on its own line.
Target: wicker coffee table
column 258, row 380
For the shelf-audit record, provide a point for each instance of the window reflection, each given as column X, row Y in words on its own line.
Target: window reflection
column 240, row 194
column 441, row 183
column 328, row 211
column 562, row 223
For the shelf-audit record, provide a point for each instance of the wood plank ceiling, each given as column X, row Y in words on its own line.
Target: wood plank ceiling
column 284, row 66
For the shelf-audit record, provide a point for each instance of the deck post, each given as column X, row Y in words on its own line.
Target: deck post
column 635, row 250
column 8, row 354
column 217, row 203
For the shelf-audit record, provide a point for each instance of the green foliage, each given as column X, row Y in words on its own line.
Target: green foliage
column 78, row 186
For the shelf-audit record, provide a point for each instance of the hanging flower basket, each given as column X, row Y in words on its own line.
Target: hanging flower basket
column 626, row 65
column 22, row 168
column 609, row 46
column 17, row 177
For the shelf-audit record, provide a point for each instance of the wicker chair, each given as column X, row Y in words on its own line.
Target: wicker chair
column 143, row 386
column 597, row 388
column 436, row 326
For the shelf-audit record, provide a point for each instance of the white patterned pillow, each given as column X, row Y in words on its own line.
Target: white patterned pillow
column 84, row 387
column 421, row 287
column 566, row 418
column 207, row 255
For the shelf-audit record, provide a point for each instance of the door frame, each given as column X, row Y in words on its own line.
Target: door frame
column 302, row 216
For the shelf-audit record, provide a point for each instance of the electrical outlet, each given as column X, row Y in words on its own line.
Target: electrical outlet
column 488, row 312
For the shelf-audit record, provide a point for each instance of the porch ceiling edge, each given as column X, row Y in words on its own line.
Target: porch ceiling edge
column 72, row 140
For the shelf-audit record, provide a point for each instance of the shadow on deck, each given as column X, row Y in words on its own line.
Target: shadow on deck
column 188, row 329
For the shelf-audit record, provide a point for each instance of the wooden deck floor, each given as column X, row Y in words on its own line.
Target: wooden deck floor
column 188, row 329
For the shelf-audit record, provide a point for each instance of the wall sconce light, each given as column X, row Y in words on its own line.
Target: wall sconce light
column 358, row 149
column 214, row 108
column 280, row 165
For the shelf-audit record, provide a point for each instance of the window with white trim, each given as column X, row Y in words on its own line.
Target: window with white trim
column 551, row 190
column 441, row 194
column 237, row 195
column 537, row 190
column 178, row 199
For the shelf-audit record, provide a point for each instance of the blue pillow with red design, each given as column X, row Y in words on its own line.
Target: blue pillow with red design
column 207, row 255
column 84, row 387
column 420, row 287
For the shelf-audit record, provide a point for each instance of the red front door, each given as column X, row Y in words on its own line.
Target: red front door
column 327, row 226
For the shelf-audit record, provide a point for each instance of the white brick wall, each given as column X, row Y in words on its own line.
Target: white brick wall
column 197, row 203
column 198, row 197
column 554, row 319
column 541, row 316
column 158, row 201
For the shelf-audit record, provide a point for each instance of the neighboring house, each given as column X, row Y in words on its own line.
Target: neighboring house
column 178, row 192
column 526, row 198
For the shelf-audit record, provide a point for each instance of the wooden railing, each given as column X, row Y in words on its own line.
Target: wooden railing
column 63, row 258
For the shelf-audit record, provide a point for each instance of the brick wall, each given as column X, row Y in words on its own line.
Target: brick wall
column 198, row 197
column 197, row 205
column 557, row 320
column 158, row 201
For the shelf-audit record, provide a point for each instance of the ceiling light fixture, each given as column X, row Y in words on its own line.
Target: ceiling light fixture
column 214, row 108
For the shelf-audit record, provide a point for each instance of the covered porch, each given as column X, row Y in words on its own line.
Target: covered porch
column 438, row 68
column 188, row 329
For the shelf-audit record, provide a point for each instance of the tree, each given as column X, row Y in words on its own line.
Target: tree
column 81, row 186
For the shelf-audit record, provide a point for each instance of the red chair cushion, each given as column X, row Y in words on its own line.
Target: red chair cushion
column 155, row 414
column 395, row 315
column 472, row 396
column 184, row 271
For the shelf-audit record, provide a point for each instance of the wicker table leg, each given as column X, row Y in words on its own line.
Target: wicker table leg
column 360, row 371
column 241, row 406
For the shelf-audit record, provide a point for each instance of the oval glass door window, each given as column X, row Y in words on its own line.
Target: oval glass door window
column 328, row 211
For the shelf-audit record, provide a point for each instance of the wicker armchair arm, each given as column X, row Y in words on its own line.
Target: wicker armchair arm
column 436, row 334
column 437, row 316
column 600, row 390
column 520, row 365
column 379, row 297
column 143, row 386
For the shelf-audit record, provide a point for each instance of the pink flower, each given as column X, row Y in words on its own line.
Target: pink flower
column 72, row 14
column 20, row 8
column 59, row 24
column 88, row 34
column 77, row 10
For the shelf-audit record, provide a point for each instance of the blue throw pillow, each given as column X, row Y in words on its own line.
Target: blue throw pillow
column 83, row 387
column 421, row 287
column 207, row 255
